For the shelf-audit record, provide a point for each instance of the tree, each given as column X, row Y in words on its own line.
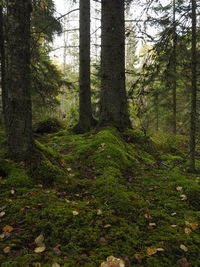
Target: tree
column 18, row 85
column 114, row 109
column 193, row 87
column 86, row 120
column 2, row 59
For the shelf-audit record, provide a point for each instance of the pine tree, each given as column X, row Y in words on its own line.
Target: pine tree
column 114, row 110
column 18, row 102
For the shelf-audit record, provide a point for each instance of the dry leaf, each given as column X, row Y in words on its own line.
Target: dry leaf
column 183, row 247
column 2, row 213
column 138, row 257
column 37, row 264
column 107, row 226
column 39, row 240
column 8, row 228
column 173, row 214
column 6, row 250
column 99, row 212
column 56, row 265
column 183, row 197
column 111, row 261
column 75, row 212
column 183, row 262
column 174, row 225
column 194, row 226
column 12, row 191
column 160, row 249
column 187, row 231
column 179, row 188
column 152, row 224
column 39, row 249
column 151, row 251
column 2, row 236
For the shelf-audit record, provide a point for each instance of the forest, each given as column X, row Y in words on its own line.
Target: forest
column 99, row 133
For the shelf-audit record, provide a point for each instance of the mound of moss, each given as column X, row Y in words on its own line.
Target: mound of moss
column 108, row 196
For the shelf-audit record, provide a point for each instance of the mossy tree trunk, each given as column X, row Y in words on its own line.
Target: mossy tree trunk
column 18, row 110
column 114, row 109
column 86, row 121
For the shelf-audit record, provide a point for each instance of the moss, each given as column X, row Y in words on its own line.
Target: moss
column 116, row 189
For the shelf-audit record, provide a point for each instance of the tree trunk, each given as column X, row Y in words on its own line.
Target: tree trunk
column 3, row 67
column 114, row 109
column 86, row 120
column 174, row 68
column 19, row 116
column 194, row 89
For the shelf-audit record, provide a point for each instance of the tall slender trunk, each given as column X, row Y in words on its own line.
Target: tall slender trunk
column 174, row 61
column 114, row 108
column 3, row 66
column 19, row 115
column 194, row 89
column 85, row 108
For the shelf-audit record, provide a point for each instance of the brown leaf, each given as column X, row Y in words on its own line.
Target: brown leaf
column 6, row 250
column 8, row 228
column 40, row 249
column 183, row 262
column 187, row 231
column 111, row 261
column 151, row 251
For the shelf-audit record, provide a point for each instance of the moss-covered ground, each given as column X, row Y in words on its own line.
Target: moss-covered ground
column 100, row 194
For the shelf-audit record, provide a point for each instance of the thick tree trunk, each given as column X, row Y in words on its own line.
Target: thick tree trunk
column 86, row 120
column 114, row 110
column 194, row 89
column 174, row 84
column 3, row 67
column 19, row 116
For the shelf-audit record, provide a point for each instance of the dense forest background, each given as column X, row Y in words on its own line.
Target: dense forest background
column 99, row 133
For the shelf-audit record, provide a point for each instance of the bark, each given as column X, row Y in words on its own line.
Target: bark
column 86, row 120
column 194, row 89
column 114, row 109
column 3, row 67
column 19, row 115
column 174, row 84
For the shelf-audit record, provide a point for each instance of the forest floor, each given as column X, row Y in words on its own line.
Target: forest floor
column 86, row 197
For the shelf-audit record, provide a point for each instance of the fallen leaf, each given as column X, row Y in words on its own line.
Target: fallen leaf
column 69, row 169
column 8, row 228
column 6, row 250
column 151, row 251
column 39, row 249
column 39, row 240
column 107, row 226
column 99, row 212
column 12, row 191
column 179, row 188
column 2, row 213
column 183, row 197
column 152, row 224
column 111, row 261
column 40, row 185
column 187, row 231
column 57, row 250
column 194, row 226
column 2, row 236
column 173, row 214
column 183, row 262
column 160, row 249
column 183, row 247
column 138, row 257
column 75, row 212
column 174, row 225
column 37, row 264
column 56, row 265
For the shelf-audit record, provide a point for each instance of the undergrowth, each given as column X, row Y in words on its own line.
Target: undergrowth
column 100, row 194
